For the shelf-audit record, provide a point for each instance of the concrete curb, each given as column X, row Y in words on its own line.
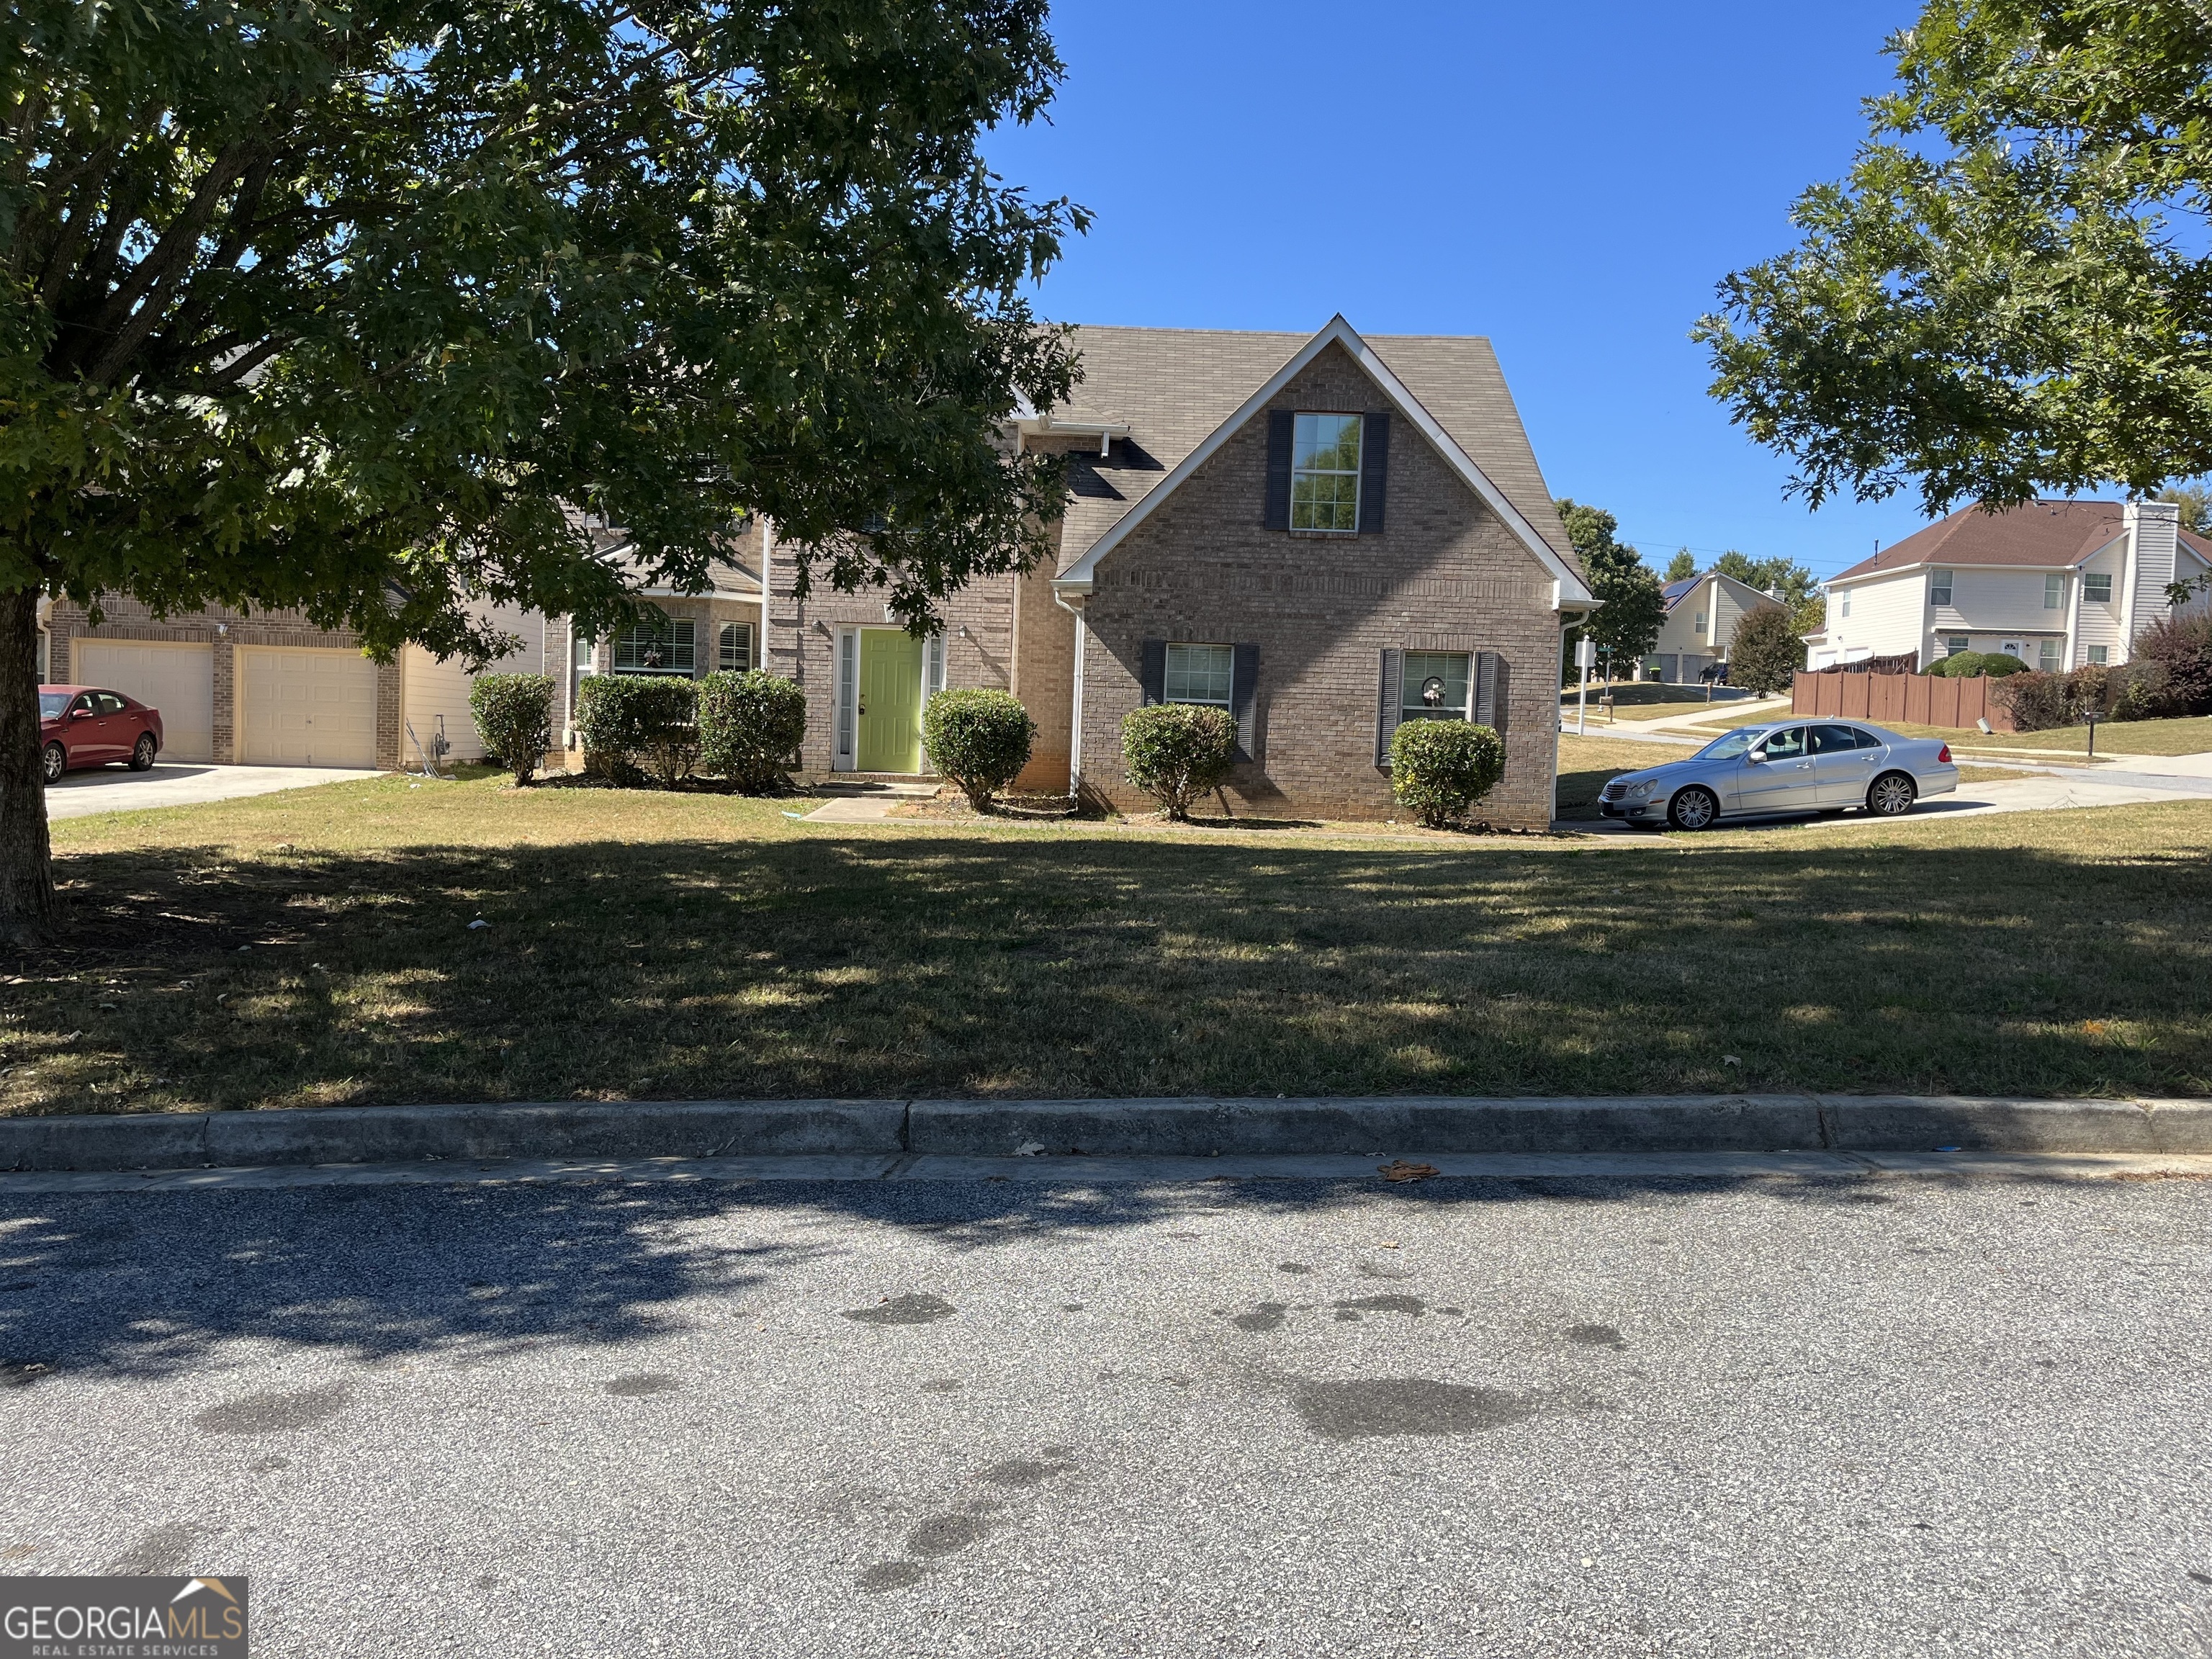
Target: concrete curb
column 1385, row 1125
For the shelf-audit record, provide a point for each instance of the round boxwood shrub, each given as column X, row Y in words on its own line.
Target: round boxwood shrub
column 1439, row 768
column 1177, row 752
column 637, row 726
column 979, row 739
column 513, row 714
column 751, row 725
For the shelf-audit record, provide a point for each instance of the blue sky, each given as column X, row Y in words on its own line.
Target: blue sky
column 1570, row 180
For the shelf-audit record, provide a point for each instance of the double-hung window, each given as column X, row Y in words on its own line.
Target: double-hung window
column 1939, row 587
column 2101, row 655
column 1847, row 603
column 2054, row 591
column 656, row 645
column 1954, row 643
column 2098, row 588
column 1325, row 473
column 2046, row 656
column 1202, row 674
column 1435, row 685
column 734, row 653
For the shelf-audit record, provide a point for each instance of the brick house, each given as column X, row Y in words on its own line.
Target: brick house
column 1321, row 535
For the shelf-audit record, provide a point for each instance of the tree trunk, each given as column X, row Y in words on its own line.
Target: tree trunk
column 27, row 874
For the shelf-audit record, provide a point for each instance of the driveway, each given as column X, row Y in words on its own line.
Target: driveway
column 1271, row 1419
column 117, row 789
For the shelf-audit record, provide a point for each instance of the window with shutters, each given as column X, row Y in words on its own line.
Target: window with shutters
column 655, row 645
column 734, row 653
column 1435, row 685
column 1325, row 473
column 1203, row 674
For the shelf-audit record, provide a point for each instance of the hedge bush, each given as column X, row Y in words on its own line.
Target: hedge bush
column 1966, row 664
column 636, row 726
column 1439, row 768
column 2182, row 646
column 513, row 714
column 2043, row 702
column 979, row 739
column 1764, row 651
column 751, row 725
column 1177, row 752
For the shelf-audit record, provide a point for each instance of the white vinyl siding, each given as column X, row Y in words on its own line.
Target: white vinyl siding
column 1885, row 617
column 430, row 689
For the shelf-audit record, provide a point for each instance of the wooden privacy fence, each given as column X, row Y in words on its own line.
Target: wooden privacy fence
column 1904, row 699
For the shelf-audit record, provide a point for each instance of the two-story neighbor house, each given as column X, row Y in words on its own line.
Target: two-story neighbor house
column 1323, row 535
column 1320, row 535
column 1702, row 612
column 2056, row 584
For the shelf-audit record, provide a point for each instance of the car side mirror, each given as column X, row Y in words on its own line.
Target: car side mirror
column 1754, row 758
column 80, row 714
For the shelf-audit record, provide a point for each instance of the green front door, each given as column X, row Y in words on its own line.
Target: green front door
column 890, row 701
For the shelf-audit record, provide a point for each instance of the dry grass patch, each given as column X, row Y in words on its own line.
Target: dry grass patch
column 644, row 946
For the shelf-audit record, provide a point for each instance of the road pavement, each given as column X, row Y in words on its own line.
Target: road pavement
column 1780, row 1414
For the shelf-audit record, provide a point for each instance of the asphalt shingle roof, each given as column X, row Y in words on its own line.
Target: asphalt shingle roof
column 2053, row 535
column 1175, row 386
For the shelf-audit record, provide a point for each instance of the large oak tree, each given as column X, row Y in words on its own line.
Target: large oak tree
column 2011, row 293
column 376, row 310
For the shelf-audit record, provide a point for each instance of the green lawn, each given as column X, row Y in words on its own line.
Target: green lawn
column 646, row 945
column 1588, row 764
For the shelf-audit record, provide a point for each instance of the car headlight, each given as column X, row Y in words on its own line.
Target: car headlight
column 1642, row 791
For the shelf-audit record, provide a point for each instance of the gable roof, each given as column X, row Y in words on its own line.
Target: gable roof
column 2048, row 535
column 1675, row 592
column 1183, row 393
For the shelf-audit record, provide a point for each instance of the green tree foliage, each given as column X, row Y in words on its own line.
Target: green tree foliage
column 751, row 724
column 2011, row 293
column 513, row 714
column 1175, row 752
column 978, row 738
column 1681, row 567
column 1631, row 607
column 1440, row 768
column 373, row 312
column 1764, row 651
column 2195, row 501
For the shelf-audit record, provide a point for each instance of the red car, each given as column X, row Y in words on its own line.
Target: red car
column 88, row 725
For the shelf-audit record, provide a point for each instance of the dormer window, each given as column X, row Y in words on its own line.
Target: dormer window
column 1325, row 474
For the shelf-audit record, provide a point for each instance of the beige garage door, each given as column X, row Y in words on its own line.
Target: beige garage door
column 306, row 707
column 177, row 679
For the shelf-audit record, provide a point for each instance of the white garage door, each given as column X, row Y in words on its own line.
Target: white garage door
column 306, row 707
column 177, row 679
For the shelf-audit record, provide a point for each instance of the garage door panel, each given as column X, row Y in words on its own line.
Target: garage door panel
column 306, row 707
column 177, row 679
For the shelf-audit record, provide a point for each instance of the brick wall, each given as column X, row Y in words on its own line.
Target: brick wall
column 1445, row 575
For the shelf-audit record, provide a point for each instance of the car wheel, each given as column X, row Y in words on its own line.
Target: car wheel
column 1892, row 794
column 1692, row 808
column 141, row 753
column 54, row 763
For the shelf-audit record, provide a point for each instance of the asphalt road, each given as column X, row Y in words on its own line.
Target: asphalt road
column 1890, row 1416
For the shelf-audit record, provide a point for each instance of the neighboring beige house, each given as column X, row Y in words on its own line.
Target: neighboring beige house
column 2056, row 584
column 1323, row 535
column 1702, row 612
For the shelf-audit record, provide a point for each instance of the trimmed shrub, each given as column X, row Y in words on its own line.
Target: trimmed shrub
column 751, row 725
column 636, row 726
column 513, row 714
column 979, row 739
column 2182, row 646
column 1439, row 768
column 1966, row 664
column 1764, row 651
column 1177, row 752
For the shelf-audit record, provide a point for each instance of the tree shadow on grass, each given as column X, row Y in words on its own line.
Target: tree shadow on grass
column 1094, row 964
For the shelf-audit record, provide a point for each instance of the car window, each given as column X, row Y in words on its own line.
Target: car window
column 1833, row 739
column 1866, row 739
column 51, row 704
column 109, row 702
column 1728, row 747
column 81, row 706
column 1787, row 744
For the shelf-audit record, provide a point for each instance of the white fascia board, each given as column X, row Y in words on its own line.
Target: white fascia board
column 1569, row 588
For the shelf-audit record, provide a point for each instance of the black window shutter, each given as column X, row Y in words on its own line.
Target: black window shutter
column 1386, row 712
column 1243, row 705
column 1153, row 674
column 1490, row 691
column 1374, row 472
column 1279, row 422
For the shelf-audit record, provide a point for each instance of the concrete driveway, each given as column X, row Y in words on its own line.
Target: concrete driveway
column 181, row 783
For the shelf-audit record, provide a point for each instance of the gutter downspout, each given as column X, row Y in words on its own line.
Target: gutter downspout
column 1075, row 713
column 2073, row 619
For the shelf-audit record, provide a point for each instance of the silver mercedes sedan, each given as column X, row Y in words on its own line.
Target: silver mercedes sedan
column 1790, row 766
